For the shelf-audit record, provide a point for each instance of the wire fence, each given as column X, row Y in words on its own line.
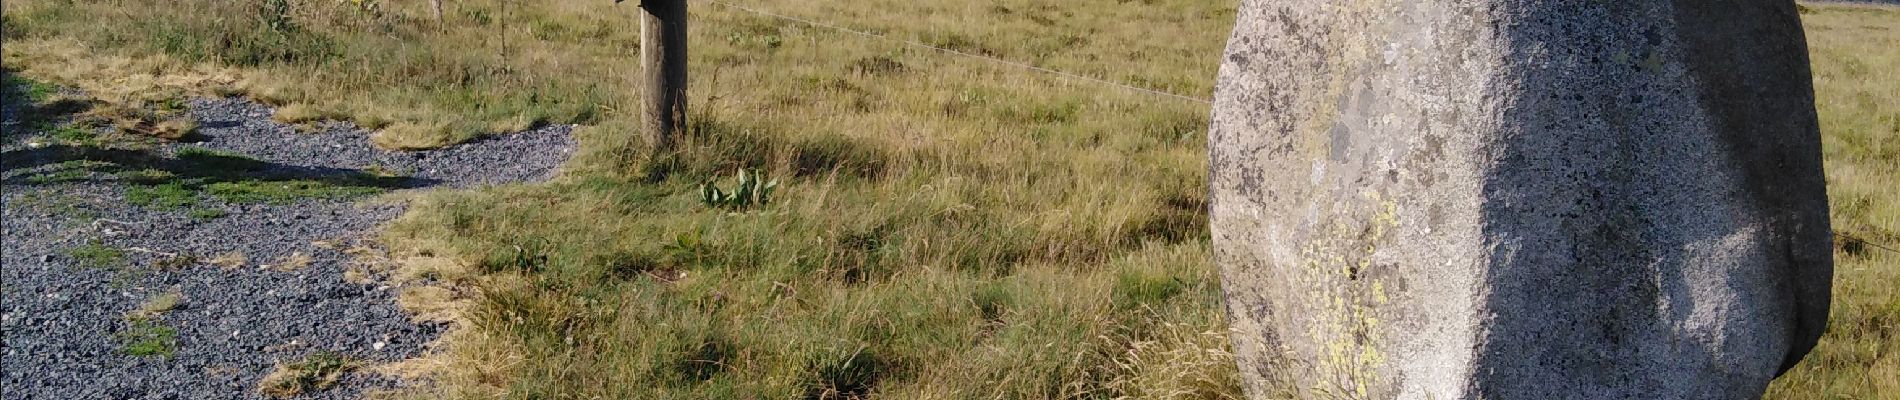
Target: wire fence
column 1851, row 239
column 999, row 61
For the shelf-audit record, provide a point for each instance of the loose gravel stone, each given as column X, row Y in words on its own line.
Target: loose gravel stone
column 62, row 321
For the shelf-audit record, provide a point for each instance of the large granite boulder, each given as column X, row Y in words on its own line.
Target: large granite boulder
column 1519, row 199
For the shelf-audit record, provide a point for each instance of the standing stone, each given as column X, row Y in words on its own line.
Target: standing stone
column 1519, row 199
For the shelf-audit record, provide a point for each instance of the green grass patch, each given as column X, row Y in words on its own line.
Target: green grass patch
column 236, row 178
column 70, row 171
column 64, row 206
column 148, row 176
column 218, row 162
column 95, row 254
column 285, row 192
column 1136, row 288
column 32, row 91
column 74, row 135
column 147, row 337
column 71, row 175
column 165, row 196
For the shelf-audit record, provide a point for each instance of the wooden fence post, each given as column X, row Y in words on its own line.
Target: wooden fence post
column 663, row 59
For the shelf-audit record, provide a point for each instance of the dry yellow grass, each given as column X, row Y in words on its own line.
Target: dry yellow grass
column 948, row 228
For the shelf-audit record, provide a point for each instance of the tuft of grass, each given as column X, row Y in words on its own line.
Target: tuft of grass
column 95, row 254
column 230, row 260
column 157, row 305
column 286, row 192
column 147, row 337
column 299, row 113
column 313, row 373
column 1138, row 288
column 33, row 91
column 74, row 135
column 174, row 129
column 70, row 171
column 65, row 206
column 1178, row 362
column 165, row 196
column 147, row 176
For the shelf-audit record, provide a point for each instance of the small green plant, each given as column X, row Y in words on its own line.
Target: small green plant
column 316, row 372
column 70, row 175
column 275, row 14
column 167, row 196
column 752, row 190
column 33, row 91
column 145, row 336
column 96, row 254
column 147, row 176
column 74, row 135
column 70, row 171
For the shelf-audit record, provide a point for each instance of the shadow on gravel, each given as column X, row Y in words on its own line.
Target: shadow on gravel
column 31, row 107
column 189, row 166
column 35, row 109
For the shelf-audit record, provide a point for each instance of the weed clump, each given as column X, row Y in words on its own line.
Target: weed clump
column 313, row 373
column 95, row 254
column 166, row 196
column 845, row 375
column 157, row 305
column 751, row 190
column 145, row 336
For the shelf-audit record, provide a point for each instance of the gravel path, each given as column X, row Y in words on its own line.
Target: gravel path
column 64, row 307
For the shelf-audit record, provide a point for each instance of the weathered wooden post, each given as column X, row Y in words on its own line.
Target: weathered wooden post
column 663, row 60
column 1519, row 199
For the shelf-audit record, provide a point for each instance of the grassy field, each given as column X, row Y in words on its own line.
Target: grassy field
column 945, row 228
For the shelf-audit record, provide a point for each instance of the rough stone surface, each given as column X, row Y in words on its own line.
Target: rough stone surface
column 1519, row 199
